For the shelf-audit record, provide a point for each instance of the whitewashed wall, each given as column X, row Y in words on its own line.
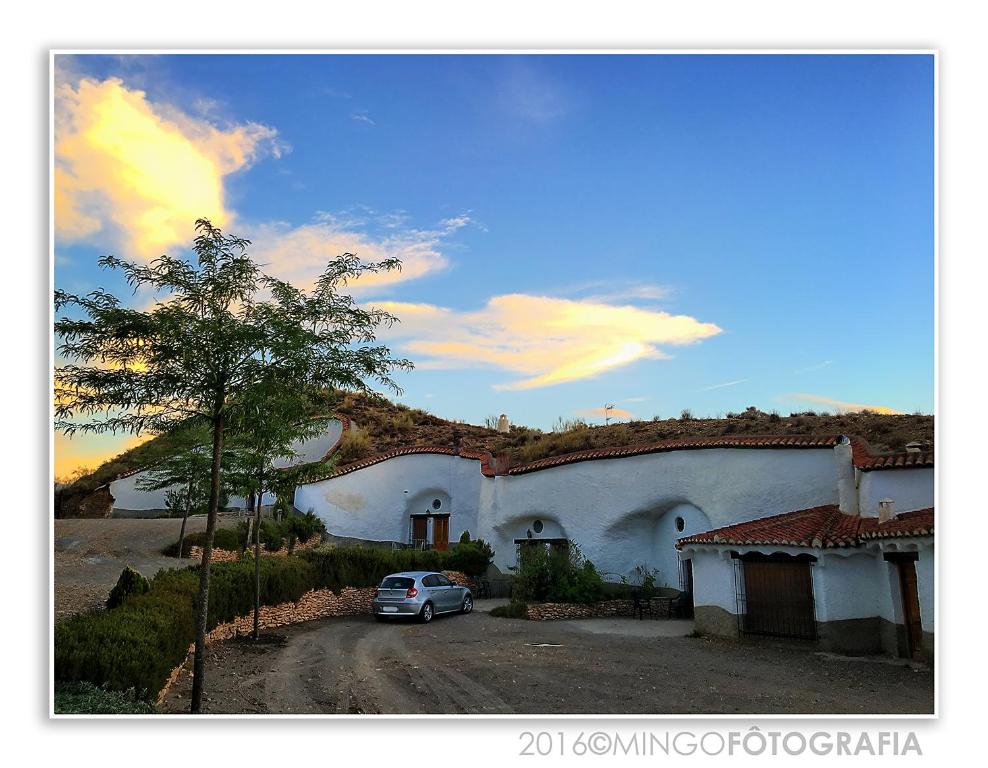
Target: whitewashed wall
column 374, row 503
column 713, row 580
column 910, row 489
column 846, row 586
column 601, row 503
column 128, row 498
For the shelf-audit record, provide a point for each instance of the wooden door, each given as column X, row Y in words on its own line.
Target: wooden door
column 778, row 598
column 420, row 530
column 910, row 609
column 440, row 533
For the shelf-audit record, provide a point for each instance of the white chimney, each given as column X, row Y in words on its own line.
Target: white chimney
column 886, row 510
column 847, row 489
column 914, row 447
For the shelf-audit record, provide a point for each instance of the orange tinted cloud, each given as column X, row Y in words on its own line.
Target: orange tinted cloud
column 142, row 172
column 547, row 340
column 609, row 413
column 842, row 406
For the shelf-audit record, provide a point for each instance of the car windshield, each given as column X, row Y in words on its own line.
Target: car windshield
column 397, row 582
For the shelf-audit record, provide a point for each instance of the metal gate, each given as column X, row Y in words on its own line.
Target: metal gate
column 775, row 596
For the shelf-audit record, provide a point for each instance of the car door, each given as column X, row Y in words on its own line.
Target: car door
column 451, row 593
column 437, row 593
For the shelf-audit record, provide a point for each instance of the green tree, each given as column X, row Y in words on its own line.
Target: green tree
column 274, row 415
column 222, row 329
column 185, row 475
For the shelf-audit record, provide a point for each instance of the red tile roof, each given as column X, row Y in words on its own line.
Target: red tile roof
column 861, row 453
column 819, row 527
column 681, row 444
column 866, row 461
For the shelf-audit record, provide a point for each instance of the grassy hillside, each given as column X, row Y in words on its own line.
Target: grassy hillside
column 381, row 426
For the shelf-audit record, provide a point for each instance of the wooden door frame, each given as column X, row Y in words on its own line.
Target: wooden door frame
column 912, row 617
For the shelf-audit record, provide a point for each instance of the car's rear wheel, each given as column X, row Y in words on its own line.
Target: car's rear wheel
column 467, row 604
column 426, row 614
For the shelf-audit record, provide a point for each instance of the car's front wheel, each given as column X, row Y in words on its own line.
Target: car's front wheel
column 467, row 604
column 426, row 614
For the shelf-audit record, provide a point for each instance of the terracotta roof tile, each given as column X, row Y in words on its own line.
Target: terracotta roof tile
column 681, row 444
column 819, row 527
column 866, row 461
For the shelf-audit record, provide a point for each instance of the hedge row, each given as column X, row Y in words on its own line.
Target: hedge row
column 274, row 535
column 135, row 645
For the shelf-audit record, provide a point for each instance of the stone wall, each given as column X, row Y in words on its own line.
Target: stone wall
column 227, row 556
column 601, row 610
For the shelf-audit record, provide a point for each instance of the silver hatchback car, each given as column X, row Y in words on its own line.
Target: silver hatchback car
column 422, row 594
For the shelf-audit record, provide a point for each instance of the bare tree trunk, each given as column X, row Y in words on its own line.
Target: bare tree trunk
column 257, row 558
column 202, row 601
column 185, row 519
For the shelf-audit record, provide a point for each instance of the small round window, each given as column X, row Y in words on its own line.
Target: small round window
column 680, row 524
column 437, row 503
column 537, row 526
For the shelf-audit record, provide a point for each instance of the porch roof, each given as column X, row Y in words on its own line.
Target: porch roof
column 818, row 527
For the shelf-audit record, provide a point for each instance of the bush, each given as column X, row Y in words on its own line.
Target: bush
column 557, row 575
column 471, row 557
column 131, row 582
column 513, row 610
column 231, row 585
column 231, row 539
column 134, row 646
column 88, row 699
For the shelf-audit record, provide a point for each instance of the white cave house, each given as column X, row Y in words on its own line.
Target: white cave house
column 809, row 537
column 851, row 555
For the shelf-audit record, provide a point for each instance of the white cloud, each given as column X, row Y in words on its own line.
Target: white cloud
column 722, row 386
column 299, row 254
column 546, row 340
column 815, row 367
column 136, row 174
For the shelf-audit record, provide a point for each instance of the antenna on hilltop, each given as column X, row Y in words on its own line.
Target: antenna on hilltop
column 607, row 413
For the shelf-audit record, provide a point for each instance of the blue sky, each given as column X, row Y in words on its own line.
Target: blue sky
column 658, row 232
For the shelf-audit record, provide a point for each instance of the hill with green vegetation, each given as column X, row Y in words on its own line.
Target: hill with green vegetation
column 379, row 426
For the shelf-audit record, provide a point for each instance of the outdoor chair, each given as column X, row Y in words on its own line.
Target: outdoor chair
column 641, row 603
column 483, row 589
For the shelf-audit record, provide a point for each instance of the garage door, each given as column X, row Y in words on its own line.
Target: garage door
column 775, row 597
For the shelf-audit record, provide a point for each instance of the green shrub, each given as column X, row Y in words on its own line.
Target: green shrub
column 231, row 585
column 88, row 699
column 513, row 610
column 131, row 582
column 557, row 575
column 134, row 646
column 471, row 557
column 272, row 535
column 231, row 539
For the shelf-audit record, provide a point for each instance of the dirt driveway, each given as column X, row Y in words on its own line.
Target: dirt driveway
column 90, row 554
column 482, row 665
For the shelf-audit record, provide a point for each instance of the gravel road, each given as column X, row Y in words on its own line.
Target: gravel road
column 482, row 665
